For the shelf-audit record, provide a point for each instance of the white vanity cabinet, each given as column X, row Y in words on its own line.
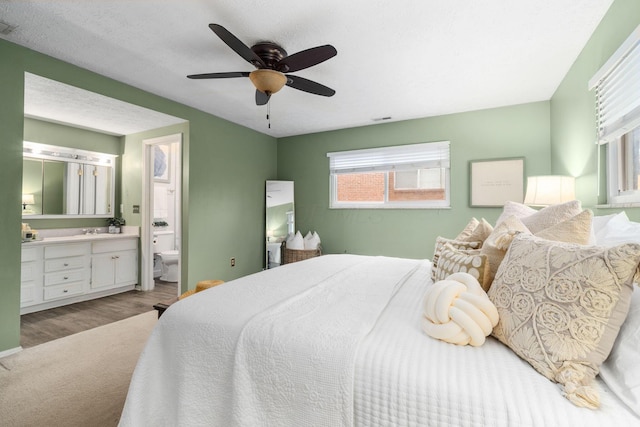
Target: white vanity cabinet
column 63, row 271
column 114, row 263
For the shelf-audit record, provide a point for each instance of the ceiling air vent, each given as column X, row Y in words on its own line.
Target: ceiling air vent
column 6, row 28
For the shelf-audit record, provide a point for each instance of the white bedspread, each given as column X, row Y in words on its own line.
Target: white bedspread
column 334, row 340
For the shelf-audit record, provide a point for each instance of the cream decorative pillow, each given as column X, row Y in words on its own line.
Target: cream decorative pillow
column 573, row 230
column 475, row 231
column 551, row 215
column 496, row 245
column 469, row 261
column 468, row 229
column 481, row 232
column 440, row 242
column 561, row 306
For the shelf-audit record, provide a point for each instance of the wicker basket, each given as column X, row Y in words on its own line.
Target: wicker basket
column 294, row 255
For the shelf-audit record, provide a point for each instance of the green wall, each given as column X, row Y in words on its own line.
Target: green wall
column 517, row 131
column 11, row 118
column 225, row 169
column 68, row 136
column 573, row 130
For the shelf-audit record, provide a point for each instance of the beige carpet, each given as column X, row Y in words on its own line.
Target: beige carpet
column 78, row 380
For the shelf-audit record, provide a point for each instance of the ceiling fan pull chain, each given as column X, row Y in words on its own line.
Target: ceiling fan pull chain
column 269, row 113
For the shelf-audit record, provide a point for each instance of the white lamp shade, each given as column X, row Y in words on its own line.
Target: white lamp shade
column 28, row 199
column 548, row 190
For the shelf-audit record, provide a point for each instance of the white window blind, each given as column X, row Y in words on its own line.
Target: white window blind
column 617, row 86
column 401, row 157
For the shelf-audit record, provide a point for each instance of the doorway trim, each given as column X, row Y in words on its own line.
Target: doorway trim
column 146, row 210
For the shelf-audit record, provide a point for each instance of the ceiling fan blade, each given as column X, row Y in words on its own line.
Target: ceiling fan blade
column 219, row 75
column 238, row 47
column 262, row 98
column 310, row 86
column 306, row 58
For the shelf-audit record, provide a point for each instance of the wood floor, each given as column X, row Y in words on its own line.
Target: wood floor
column 47, row 325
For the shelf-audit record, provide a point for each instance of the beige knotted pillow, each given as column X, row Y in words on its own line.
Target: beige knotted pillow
column 457, row 310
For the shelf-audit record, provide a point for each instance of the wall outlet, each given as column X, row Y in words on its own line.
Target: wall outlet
column 233, row 262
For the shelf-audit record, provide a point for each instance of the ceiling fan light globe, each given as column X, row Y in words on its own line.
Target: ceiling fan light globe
column 267, row 81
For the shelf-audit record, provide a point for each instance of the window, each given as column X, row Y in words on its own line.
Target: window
column 624, row 168
column 617, row 86
column 404, row 176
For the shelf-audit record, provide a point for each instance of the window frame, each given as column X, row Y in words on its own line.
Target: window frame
column 617, row 90
column 435, row 147
column 619, row 161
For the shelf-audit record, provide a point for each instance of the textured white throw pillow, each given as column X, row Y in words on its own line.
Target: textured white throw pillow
column 514, row 209
column 544, row 218
column 295, row 241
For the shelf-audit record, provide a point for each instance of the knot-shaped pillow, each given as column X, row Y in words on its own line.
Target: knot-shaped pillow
column 457, row 310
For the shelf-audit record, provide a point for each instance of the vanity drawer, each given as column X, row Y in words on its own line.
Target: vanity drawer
column 51, row 279
column 30, row 254
column 60, row 264
column 114, row 245
column 62, row 291
column 61, row 251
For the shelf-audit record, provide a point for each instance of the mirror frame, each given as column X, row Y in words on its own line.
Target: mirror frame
column 37, row 151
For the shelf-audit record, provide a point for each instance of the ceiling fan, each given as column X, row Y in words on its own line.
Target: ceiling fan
column 272, row 62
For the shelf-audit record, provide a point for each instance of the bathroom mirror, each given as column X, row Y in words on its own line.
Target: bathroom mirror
column 280, row 218
column 60, row 182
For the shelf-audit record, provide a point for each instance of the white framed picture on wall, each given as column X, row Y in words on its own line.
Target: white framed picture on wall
column 161, row 163
column 496, row 181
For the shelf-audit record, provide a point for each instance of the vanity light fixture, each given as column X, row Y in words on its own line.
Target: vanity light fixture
column 49, row 152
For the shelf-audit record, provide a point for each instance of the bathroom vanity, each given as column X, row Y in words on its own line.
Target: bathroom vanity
column 67, row 269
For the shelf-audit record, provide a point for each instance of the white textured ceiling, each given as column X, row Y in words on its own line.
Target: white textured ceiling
column 403, row 59
column 62, row 103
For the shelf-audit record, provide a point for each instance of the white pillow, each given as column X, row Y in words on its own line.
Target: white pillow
column 618, row 230
column 311, row 240
column 296, row 241
column 516, row 209
column 621, row 371
column 600, row 221
column 597, row 224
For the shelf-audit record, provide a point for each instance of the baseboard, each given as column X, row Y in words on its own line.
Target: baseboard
column 10, row 351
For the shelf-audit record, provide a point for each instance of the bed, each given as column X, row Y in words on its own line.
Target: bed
column 337, row 341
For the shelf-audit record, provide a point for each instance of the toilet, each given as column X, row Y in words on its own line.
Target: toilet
column 166, row 258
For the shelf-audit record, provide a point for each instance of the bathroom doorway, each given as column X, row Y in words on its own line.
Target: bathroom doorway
column 161, row 236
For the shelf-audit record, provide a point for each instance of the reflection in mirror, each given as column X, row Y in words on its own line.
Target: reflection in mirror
column 65, row 181
column 280, row 218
